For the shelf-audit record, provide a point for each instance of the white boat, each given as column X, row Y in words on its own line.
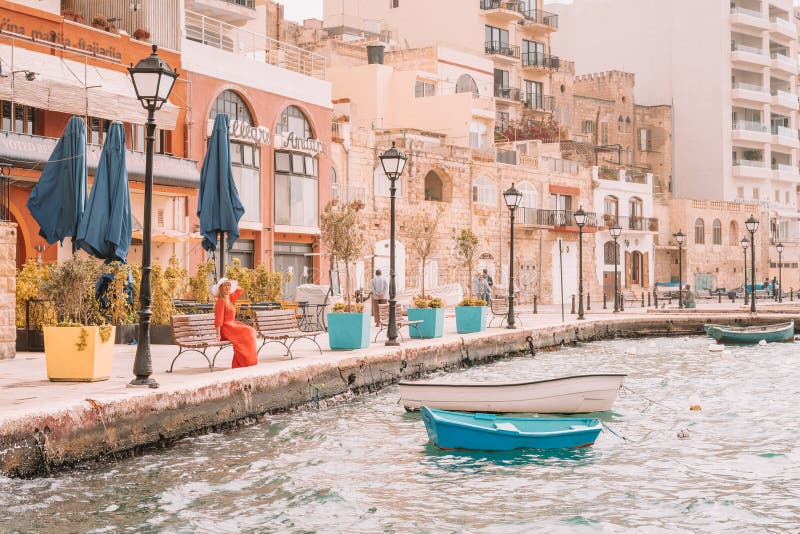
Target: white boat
column 570, row 394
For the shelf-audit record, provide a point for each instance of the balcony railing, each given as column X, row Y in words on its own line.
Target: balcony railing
column 244, row 3
column 552, row 218
column 751, row 87
column 508, row 93
column 502, row 49
column 544, row 18
column 639, row 224
column 737, row 47
column 748, row 12
column 783, row 131
column 533, row 15
column 785, row 168
column 751, row 126
column 539, row 102
column 213, row 32
column 565, row 166
column 783, row 94
column 540, row 60
column 748, row 163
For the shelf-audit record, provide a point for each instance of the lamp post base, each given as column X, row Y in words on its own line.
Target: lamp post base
column 392, row 343
column 143, row 382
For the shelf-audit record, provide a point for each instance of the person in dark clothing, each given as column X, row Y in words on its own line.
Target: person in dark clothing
column 488, row 278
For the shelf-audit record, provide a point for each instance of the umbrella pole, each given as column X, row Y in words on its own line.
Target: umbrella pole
column 221, row 254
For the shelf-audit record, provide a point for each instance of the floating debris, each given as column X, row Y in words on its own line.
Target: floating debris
column 716, row 347
column 631, row 351
column 694, row 403
column 762, row 343
column 683, row 433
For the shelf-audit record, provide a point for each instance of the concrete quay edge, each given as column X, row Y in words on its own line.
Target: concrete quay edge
column 46, row 441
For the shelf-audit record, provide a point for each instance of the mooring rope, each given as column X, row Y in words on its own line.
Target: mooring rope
column 620, row 436
column 651, row 401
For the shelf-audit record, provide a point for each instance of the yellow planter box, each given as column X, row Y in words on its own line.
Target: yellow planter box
column 73, row 359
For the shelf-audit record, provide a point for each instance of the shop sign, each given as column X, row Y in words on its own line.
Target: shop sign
column 291, row 142
column 243, row 131
column 57, row 37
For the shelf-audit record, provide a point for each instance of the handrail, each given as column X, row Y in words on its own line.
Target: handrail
column 502, row 48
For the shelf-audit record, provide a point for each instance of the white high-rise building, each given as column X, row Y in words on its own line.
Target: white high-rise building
column 728, row 68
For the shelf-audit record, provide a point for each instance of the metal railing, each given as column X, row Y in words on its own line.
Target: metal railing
column 538, row 16
column 540, row 60
column 218, row 34
column 502, row 49
column 751, row 126
column 552, row 218
column 244, row 3
column 540, row 102
column 508, row 93
column 639, row 224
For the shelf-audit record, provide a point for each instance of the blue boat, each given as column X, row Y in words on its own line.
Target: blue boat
column 489, row 432
column 772, row 333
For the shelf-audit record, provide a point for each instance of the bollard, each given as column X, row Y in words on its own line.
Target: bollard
column 535, row 310
column 669, row 296
column 655, row 299
column 746, row 297
column 604, row 302
column 791, row 292
column 621, row 303
column 573, row 305
column 642, row 299
column 719, row 295
column 648, row 300
column 588, row 302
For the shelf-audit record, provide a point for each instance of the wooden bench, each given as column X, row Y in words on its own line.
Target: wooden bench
column 281, row 326
column 383, row 315
column 196, row 333
column 628, row 296
column 498, row 306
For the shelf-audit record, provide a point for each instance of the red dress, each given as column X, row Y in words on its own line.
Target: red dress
column 242, row 336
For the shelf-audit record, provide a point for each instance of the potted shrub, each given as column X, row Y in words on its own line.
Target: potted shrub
column 470, row 313
column 431, row 312
column 471, row 316
column 343, row 236
column 99, row 22
column 77, row 349
column 141, row 34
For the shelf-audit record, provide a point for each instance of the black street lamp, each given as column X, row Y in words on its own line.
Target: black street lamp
column 679, row 238
column 779, row 248
column 513, row 199
column 752, row 225
column 615, row 232
column 153, row 80
column 745, row 244
column 580, row 217
column 393, row 162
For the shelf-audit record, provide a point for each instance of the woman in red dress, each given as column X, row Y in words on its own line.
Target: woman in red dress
column 228, row 328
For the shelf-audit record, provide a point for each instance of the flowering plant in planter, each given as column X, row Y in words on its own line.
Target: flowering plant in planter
column 471, row 315
column 430, row 311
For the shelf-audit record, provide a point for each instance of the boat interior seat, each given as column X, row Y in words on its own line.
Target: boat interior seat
column 578, row 427
column 510, row 427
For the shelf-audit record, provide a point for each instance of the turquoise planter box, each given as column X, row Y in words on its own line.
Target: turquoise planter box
column 432, row 325
column 470, row 319
column 348, row 331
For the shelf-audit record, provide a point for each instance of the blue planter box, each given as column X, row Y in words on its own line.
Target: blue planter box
column 470, row 319
column 348, row 331
column 432, row 325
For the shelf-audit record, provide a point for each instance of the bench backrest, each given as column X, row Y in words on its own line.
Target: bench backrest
column 198, row 328
column 499, row 305
column 383, row 312
column 275, row 321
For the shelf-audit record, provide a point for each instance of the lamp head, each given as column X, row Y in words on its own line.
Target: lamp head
column 751, row 224
column 615, row 230
column 679, row 237
column 513, row 197
column 580, row 217
column 779, row 247
column 153, row 80
column 745, row 243
column 393, row 162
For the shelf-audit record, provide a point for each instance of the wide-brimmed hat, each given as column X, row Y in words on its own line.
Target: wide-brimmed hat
column 215, row 287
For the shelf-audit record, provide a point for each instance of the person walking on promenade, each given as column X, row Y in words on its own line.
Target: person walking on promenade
column 228, row 328
column 484, row 290
column 488, row 278
column 688, row 298
column 380, row 290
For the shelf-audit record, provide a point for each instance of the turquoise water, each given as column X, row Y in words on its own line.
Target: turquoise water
column 366, row 465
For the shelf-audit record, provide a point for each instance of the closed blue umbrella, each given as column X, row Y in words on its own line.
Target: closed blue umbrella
column 105, row 229
column 58, row 199
column 218, row 205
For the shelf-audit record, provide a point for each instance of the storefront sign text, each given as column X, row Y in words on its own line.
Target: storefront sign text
column 52, row 36
column 242, row 131
column 312, row 146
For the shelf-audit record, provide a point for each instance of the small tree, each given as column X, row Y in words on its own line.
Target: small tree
column 343, row 235
column 201, row 281
column 421, row 233
column 175, row 278
column 466, row 248
column 70, row 285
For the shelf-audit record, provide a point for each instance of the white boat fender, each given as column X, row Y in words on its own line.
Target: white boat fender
column 716, row 347
column 631, row 351
column 762, row 343
column 727, row 355
column 683, row 433
column 694, row 403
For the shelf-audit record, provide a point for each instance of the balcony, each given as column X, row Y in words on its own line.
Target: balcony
column 564, row 166
column 784, row 136
column 557, row 219
column 539, row 103
column 538, row 21
column 539, row 62
column 751, row 92
column 502, row 51
column 635, row 224
column 746, row 168
column 751, row 131
column 749, row 18
column 510, row 94
column 502, row 11
column 218, row 34
column 784, row 171
column 783, row 27
column 749, row 55
column 783, row 63
column 784, row 99
column 236, row 12
column 509, row 157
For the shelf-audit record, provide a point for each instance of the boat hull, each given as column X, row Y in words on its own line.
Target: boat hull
column 573, row 394
column 751, row 334
column 485, row 432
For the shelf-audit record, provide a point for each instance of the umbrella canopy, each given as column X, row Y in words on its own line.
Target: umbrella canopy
column 105, row 229
column 218, row 204
column 58, row 199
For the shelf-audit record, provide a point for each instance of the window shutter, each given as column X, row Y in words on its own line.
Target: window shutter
column 645, row 270
column 627, row 269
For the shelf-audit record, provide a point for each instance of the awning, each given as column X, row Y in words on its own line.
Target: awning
column 32, row 152
column 74, row 87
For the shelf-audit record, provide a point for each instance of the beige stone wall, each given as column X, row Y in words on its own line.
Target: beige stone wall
column 8, row 286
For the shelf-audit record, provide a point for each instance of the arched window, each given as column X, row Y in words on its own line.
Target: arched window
column 484, row 192
column 433, row 187
column 699, row 232
column 608, row 253
column 733, row 234
column 466, row 84
column 716, row 232
column 635, row 210
column 611, row 210
column 530, row 198
column 477, row 135
column 233, row 105
column 380, row 184
column 292, row 120
column 636, row 267
column 627, row 125
column 620, row 124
